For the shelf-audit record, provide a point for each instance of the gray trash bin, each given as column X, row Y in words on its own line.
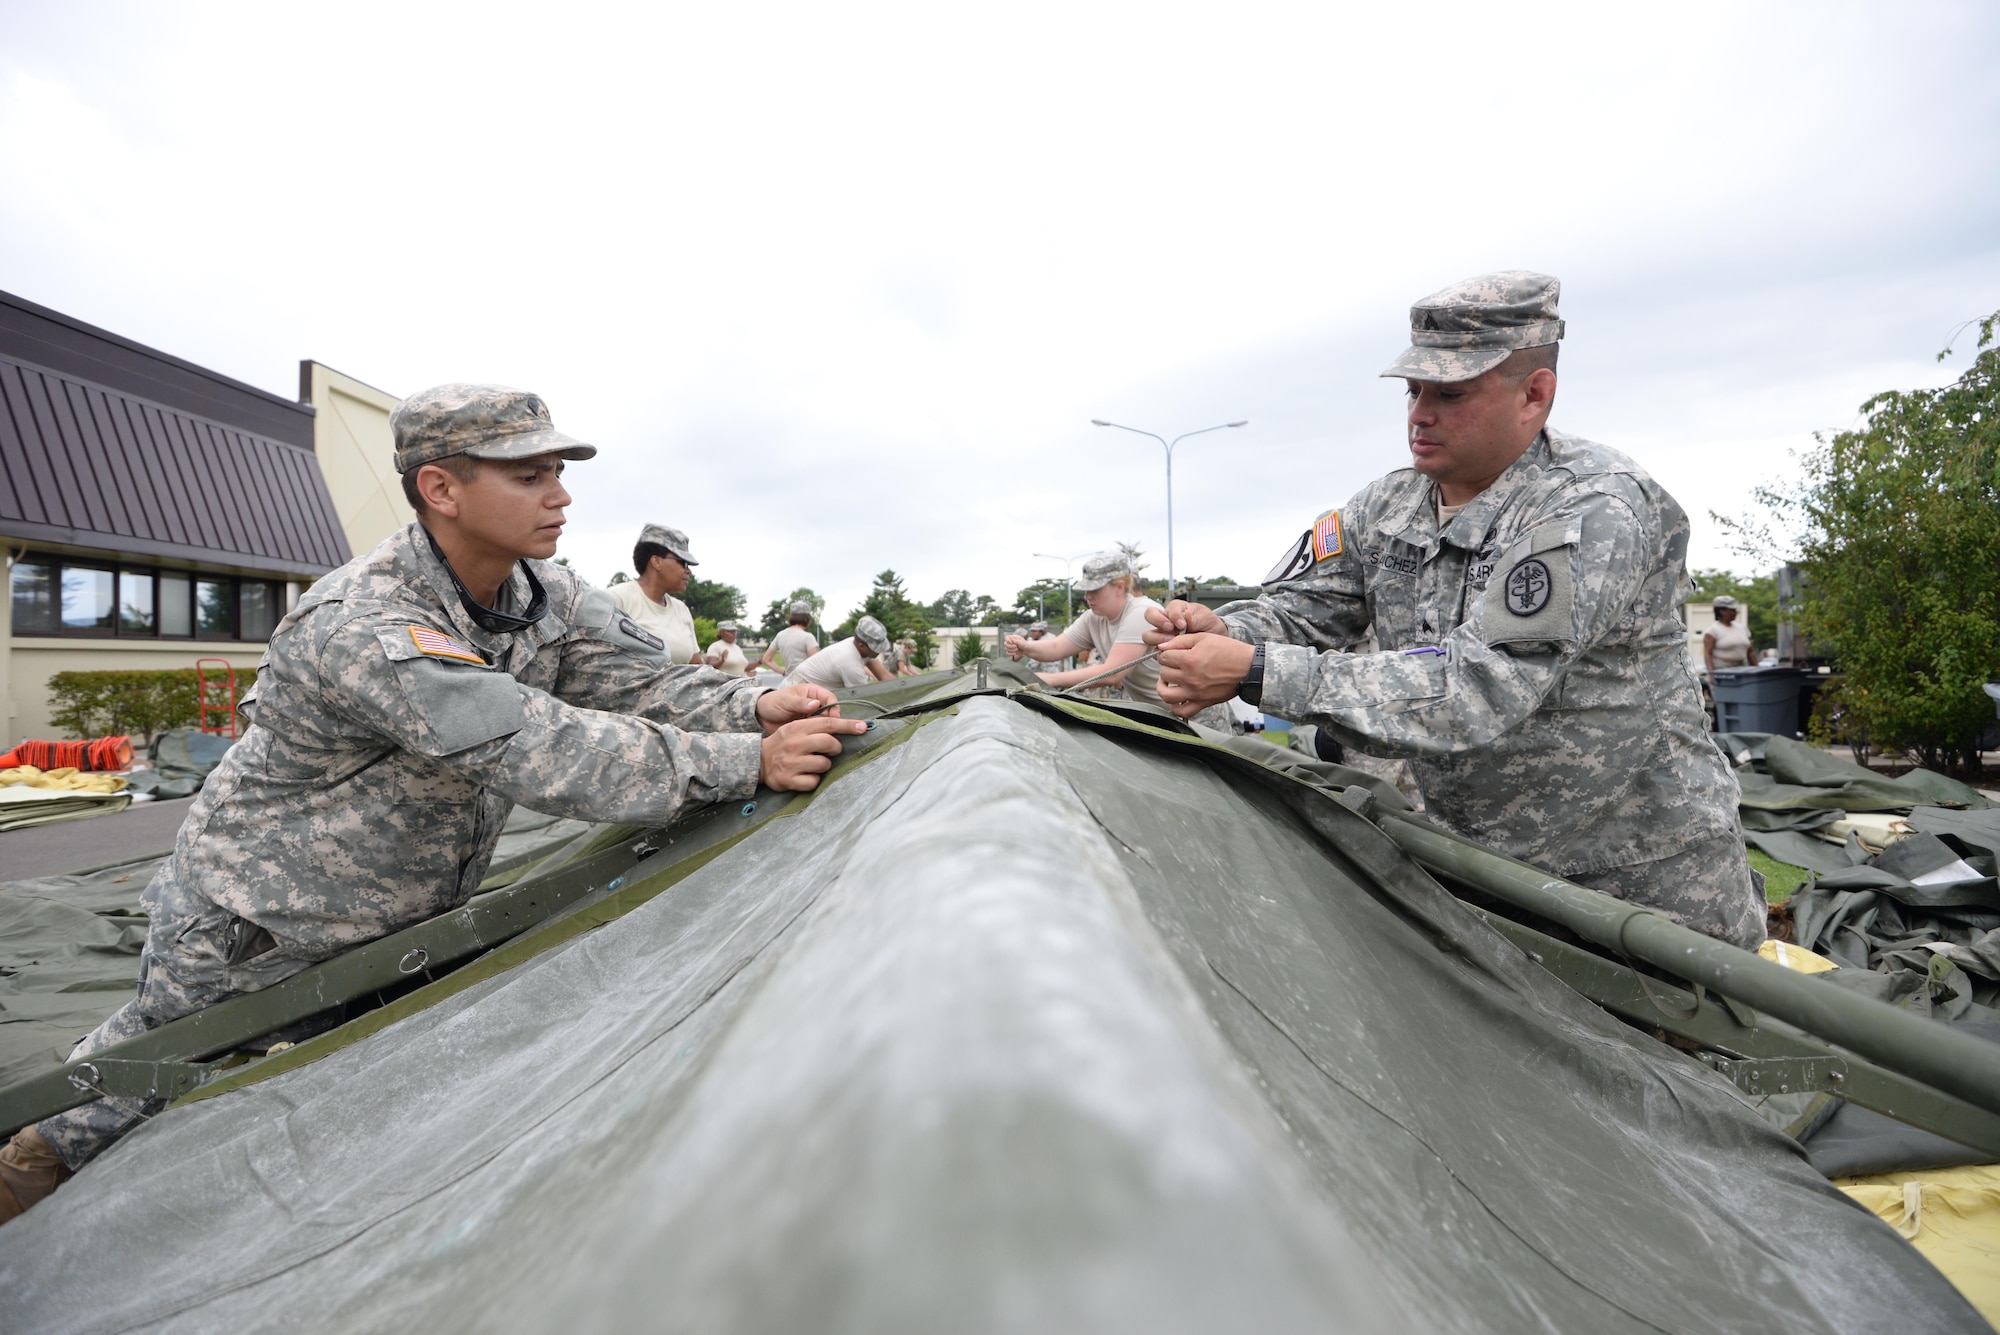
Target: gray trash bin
column 1758, row 699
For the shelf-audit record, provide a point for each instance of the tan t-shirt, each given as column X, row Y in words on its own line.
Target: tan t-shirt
column 1091, row 631
column 1732, row 643
column 835, row 666
column 733, row 663
column 671, row 620
column 793, row 645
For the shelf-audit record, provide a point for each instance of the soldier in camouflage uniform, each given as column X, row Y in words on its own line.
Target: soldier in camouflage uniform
column 402, row 708
column 1522, row 585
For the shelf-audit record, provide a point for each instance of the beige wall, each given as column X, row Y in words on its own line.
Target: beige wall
column 31, row 661
column 356, row 454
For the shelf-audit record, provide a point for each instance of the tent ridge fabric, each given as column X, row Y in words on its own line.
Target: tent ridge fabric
column 1032, row 1025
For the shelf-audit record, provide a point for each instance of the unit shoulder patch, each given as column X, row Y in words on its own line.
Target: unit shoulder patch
column 1528, row 587
column 439, row 645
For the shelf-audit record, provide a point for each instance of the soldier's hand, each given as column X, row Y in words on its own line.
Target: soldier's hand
column 1179, row 618
column 1014, row 647
column 798, row 753
column 1200, row 670
column 779, row 707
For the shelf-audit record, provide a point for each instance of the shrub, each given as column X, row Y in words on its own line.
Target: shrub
column 1897, row 527
column 136, row 704
column 970, row 649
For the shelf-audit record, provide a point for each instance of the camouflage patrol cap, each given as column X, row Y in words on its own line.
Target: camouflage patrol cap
column 721, row 626
column 1038, row 625
column 801, row 608
column 484, row 421
column 873, row 634
column 672, row 539
column 1101, row 569
column 1472, row 326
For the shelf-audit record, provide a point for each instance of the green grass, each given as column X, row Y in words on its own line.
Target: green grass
column 1780, row 878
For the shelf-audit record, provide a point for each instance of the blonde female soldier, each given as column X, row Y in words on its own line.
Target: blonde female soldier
column 1114, row 627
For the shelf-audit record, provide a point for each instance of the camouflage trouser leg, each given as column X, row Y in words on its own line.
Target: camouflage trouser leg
column 1708, row 887
column 183, row 968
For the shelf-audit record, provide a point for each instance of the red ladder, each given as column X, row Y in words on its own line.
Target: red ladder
column 215, row 694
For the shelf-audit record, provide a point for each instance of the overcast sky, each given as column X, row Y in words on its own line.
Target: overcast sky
column 836, row 288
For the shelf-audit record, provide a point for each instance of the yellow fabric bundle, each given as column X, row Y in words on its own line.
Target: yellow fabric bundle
column 67, row 779
column 1951, row 1215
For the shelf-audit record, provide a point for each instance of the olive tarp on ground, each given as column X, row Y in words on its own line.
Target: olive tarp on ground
column 69, row 945
column 1021, row 1024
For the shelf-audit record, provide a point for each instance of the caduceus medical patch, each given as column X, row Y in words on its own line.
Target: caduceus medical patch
column 1528, row 586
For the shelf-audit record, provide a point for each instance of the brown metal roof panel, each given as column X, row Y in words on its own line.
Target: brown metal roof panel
column 18, row 495
column 84, row 459
column 234, row 490
column 178, row 470
column 69, row 402
column 148, row 496
column 136, row 426
column 63, row 492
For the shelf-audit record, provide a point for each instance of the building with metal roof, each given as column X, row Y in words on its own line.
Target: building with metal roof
column 155, row 511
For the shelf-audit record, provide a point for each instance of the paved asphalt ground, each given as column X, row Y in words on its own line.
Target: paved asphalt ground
column 140, row 830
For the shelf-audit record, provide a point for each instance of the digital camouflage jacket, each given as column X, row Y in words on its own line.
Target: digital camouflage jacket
column 1532, row 663
column 389, row 737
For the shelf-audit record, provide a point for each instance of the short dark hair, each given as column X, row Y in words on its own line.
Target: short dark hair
column 461, row 466
column 799, row 619
column 643, row 554
column 1527, row 361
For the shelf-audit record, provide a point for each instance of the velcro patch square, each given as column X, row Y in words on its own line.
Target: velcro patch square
column 439, row 645
column 1326, row 535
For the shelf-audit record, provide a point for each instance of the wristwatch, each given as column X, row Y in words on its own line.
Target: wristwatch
column 1251, row 689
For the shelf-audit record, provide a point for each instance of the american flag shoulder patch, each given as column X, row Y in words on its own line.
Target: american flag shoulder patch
column 1326, row 535
column 439, row 645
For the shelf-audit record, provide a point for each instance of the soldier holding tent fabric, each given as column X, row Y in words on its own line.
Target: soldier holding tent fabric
column 1523, row 586
column 407, row 702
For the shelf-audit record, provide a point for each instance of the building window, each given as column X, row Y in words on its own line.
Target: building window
column 215, row 609
column 87, row 601
column 53, row 596
column 176, row 606
column 135, row 603
column 257, row 608
column 34, row 598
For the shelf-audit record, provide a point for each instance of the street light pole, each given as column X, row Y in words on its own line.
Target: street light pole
column 1169, row 446
column 1067, row 586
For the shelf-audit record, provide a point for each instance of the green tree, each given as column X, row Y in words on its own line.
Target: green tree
column 1897, row 529
column 959, row 608
column 1759, row 596
column 717, row 602
column 1043, row 600
column 775, row 616
column 889, row 603
column 969, row 649
column 953, row 609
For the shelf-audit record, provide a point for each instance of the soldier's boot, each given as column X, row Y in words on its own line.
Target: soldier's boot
column 30, row 1169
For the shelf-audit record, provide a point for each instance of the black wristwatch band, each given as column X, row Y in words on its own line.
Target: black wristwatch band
column 1251, row 690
